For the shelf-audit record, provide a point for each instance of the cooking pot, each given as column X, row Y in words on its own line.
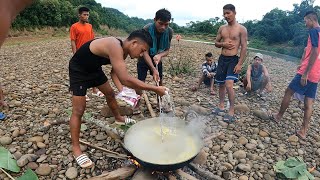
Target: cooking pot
column 179, row 145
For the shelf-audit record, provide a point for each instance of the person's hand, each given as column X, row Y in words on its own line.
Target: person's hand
column 298, row 68
column 156, row 76
column 304, row 79
column 248, row 88
column 229, row 45
column 237, row 69
column 161, row 90
column 157, row 59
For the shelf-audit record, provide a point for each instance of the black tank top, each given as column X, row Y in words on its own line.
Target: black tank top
column 85, row 61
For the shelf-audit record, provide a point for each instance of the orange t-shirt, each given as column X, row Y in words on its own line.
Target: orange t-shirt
column 81, row 33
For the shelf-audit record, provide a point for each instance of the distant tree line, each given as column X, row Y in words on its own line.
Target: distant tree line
column 63, row 13
column 280, row 31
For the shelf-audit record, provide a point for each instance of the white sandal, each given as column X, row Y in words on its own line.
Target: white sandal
column 83, row 161
column 98, row 94
column 126, row 121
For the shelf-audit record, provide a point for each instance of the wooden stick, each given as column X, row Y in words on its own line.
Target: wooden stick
column 111, row 153
column 7, row 174
column 121, row 173
column 145, row 97
column 203, row 173
column 185, row 175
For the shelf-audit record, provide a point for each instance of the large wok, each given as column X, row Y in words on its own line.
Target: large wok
column 143, row 142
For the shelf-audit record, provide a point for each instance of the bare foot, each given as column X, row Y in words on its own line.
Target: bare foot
column 301, row 135
column 274, row 117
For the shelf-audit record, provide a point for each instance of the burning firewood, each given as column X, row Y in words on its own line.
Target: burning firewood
column 121, row 173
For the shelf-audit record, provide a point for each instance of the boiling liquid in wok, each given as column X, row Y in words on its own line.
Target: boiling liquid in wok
column 146, row 144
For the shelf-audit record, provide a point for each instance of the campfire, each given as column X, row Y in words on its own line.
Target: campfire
column 153, row 158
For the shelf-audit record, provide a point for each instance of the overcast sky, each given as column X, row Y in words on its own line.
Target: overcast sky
column 184, row 11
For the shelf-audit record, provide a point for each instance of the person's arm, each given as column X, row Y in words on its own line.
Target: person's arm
column 248, row 75
column 148, row 60
column 218, row 42
column 73, row 39
column 9, row 9
column 73, row 46
column 204, row 69
column 265, row 71
column 115, row 54
column 243, row 51
column 314, row 36
column 157, row 58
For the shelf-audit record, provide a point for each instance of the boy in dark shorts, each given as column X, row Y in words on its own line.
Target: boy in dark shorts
column 230, row 37
column 85, row 71
column 307, row 78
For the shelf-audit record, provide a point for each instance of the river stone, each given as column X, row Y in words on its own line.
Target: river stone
column 240, row 154
column 43, row 170
column 72, row 173
column 36, row 139
column 5, row 140
column 242, row 140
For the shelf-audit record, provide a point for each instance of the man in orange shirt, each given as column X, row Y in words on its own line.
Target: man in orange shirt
column 80, row 33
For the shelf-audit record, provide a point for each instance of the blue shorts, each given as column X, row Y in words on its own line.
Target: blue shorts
column 226, row 65
column 308, row 90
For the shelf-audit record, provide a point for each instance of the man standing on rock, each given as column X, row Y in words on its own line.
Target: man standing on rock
column 85, row 71
column 307, row 78
column 9, row 9
column 80, row 33
column 230, row 37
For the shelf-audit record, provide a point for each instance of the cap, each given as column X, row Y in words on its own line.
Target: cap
column 259, row 55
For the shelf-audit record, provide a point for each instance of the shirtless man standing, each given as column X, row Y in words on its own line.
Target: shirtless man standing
column 230, row 37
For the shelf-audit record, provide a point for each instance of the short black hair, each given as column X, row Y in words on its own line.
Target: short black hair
column 311, row 15
column 142, row 35
column 209, row 54
column 83, row 9
column 229, row 7
column 163, row 14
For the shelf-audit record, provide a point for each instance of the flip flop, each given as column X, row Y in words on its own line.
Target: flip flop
column 2, row 116
column 194, row 88
column 126, row 121
column 229, row 119
column 299, row 136
column 87, row 98
column 212, row 92
column 272, row 118
column 217, row 110
column 98, row 94
column 83, row 161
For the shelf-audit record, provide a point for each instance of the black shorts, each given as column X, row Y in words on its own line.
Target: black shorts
column 225, row 69
column 80, row 82
column 143, row 68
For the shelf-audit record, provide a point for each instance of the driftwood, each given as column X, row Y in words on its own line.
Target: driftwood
column 145, row 97
column 203, row 173
column 109, row 153
column 121, row 173
column 143, row 174
column 185, row 175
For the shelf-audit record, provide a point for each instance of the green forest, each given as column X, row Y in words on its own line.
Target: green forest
column 280, row 31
